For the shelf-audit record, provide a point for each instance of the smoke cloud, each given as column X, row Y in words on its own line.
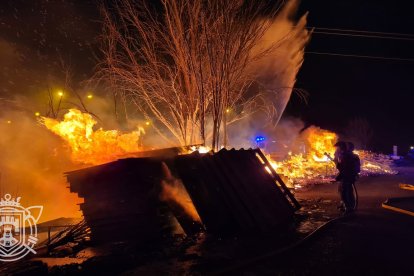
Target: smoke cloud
column 282, row 138
column 277, row 72
column 32, row 163
column 33, row 159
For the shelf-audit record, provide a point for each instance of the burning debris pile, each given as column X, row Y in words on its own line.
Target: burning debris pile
column 89, row 146
column 314, row 166
column 310, row 165
column 375, row 163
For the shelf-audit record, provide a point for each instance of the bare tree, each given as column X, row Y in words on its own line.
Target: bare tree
column 359, row 130
column 187, row 62
column 59, row 100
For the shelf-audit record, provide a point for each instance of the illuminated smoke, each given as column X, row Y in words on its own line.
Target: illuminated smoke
column 277, row 72
column 173, row 190
column 32, row 162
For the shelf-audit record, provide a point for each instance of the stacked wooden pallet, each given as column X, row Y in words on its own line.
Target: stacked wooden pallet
column 233, row 192
column 120, row 199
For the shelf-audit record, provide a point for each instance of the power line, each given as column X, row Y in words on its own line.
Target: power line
column 367, row 36
column 361, row 31
column 360, row 56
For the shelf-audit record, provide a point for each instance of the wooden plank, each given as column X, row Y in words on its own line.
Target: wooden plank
column 252, row 181
column 237, row 195
column 206, row 200
column 239, row 182
column 275, row 207
column 286, row 190
column 234, row 195
column 231, row 191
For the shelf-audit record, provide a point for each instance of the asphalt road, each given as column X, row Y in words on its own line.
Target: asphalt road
column 373, row 241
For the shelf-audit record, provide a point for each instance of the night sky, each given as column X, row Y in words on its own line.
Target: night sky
column 340, row 88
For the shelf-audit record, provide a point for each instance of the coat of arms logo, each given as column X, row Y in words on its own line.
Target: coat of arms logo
column 18, row 231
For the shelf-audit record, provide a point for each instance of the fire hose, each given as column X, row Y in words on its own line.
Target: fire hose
column 355, row 192
column 288, row 248
column 355, row 195
column 283, row 250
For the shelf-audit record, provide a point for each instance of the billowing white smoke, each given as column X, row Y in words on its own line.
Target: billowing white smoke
column 277, row 72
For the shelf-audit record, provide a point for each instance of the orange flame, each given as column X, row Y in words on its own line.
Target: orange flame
column 314, row 164
column 319, row 142
column 89, row 146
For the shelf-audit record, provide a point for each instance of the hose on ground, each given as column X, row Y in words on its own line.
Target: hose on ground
column 279, row 251
column 356, row 195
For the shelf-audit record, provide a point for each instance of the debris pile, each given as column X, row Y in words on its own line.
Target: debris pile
column 233, row 192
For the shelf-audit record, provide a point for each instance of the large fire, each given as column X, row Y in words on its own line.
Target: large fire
column 314, row 166
column 311, row 165
column 89, row 146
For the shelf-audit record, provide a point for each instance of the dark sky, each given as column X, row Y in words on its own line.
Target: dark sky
column 36, row 35
column 342, row 88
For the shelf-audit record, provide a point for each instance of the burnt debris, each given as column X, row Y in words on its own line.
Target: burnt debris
column 230, row 192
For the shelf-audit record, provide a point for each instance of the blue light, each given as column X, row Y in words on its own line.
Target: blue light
column 260, row 139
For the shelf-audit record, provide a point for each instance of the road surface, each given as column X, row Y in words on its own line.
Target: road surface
column 374, row 241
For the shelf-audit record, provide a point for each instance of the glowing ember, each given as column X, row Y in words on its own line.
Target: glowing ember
column 374, row 163
column 99, row 146
column 313, row 166
column 92, row 146
column 200, row 149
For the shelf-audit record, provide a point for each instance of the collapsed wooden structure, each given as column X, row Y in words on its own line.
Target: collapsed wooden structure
column 233, row 192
